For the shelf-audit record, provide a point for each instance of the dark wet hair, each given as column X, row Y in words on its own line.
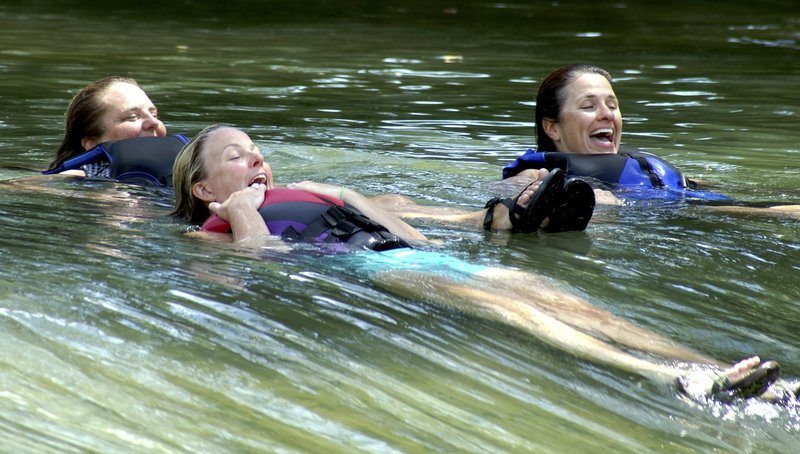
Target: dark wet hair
column 551, row 94
column 84, row 118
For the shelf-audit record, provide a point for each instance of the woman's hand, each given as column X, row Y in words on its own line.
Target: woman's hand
column 529, row 176
column 241, row 211
column 247, row 199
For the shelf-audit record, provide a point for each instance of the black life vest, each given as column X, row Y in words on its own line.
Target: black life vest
column 297, row 215
column 627, row 169
column 145, row 161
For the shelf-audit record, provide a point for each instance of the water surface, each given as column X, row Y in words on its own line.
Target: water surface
column 120, row 334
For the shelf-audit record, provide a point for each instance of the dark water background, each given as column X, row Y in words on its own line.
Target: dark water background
column 118, row 334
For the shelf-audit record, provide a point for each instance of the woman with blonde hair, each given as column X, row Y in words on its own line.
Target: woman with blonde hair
column 222, row 172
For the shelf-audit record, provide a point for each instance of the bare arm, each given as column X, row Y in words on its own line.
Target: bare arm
column 362, row 204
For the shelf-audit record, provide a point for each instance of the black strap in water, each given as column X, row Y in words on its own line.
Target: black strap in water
column 347, row 225
column 655, row 180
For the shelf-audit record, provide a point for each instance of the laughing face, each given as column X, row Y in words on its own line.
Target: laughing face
column 590, row 120
column 232, row 162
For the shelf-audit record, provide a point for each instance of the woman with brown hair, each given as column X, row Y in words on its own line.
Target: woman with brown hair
column 111, row 108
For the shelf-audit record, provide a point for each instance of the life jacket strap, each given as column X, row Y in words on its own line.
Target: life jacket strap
column 348, row 225
column 655, row 180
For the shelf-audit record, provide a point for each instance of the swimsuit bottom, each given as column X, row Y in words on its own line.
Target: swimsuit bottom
column 406, row 259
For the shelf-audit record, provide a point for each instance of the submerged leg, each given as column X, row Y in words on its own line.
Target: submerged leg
column 526, row 317
column 746, row 379
column 581, row 315
column 406, row 208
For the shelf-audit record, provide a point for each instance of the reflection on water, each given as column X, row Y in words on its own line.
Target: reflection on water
column 120, row 334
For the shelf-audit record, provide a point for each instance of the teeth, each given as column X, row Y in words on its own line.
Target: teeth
column 260, row 179
column 602, row 131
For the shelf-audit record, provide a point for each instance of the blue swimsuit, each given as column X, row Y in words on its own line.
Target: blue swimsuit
column 407, row 259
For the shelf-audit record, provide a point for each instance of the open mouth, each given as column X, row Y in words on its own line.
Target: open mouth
column 258, row 179
column 605, row 135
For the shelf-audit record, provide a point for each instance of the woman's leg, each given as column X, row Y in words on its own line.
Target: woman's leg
column 520, row 314
column 579, row 314
column 406, row 208
column 777, row 210
column 745, row 379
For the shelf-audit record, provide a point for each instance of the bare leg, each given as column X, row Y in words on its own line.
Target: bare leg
column 583, row 316
column 778, row 210
column 528, row 318
column 406, row 208
column 698, row 384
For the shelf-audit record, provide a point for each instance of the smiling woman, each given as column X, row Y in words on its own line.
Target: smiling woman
column 577, row 111
column 579, row 130
column 111, row 108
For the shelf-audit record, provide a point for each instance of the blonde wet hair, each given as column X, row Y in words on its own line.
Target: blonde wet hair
column 189, row 168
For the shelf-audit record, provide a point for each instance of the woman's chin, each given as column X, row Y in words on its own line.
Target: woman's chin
column 603, row 149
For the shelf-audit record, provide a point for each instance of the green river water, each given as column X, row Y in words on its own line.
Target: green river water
column 119, row 334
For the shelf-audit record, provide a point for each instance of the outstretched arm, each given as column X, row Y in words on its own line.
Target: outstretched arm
column 365, row 206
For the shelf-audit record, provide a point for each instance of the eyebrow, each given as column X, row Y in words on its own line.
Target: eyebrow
column 233, row 144
column 134, row 109
column 594, row 96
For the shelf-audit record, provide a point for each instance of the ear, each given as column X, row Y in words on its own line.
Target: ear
column 550, row 127
column 203, row 192
column 88, row 143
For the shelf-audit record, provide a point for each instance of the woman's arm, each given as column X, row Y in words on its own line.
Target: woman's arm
column 362, row 204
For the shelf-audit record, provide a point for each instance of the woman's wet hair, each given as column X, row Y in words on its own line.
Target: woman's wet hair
column 189, row 168
column 84, row 118
column 551, row 95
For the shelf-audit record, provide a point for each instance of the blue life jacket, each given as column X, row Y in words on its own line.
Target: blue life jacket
column 634, row 174
column 297, row 215
column 145, row 161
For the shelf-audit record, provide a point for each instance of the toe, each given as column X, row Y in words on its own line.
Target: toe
column 742, row 368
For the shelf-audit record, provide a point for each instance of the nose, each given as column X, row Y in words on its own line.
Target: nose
column 606, row 112
column 256, row 159
column 150, row 122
